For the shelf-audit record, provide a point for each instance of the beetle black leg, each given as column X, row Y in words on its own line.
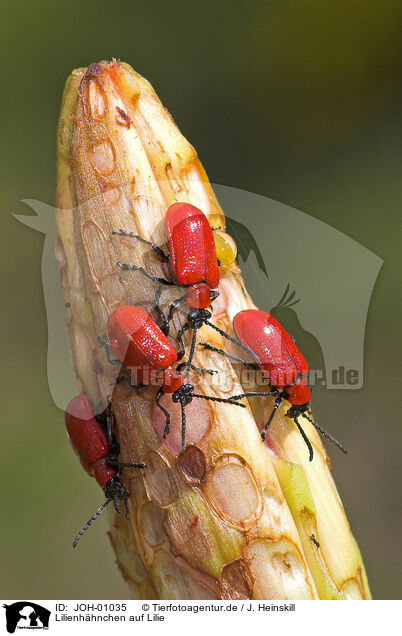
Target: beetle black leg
column 184, row 395
column 277, row 404
column 117, row 464
column 116, row 504
column 126, row 512
column 165, row 322
column 306, row 439
column 179, row 339
column 181, row 366
column 166, row 413
column 105, row 345
column 191, row 353
column 250, row 365
column 158, row 251
column 325, row 434
column 174, row 306
column 165, row 326
column 138, row 268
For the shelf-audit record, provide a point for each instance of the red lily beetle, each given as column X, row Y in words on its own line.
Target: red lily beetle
column 143, row 347
column 192, row 253
column 279, row 360
column 97, row 452
column 193, row 263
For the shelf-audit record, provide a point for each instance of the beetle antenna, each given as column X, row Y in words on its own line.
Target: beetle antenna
column 231, row 339
column 325, row 434
column 91, row 521
column 217, row 399
column 183, row 426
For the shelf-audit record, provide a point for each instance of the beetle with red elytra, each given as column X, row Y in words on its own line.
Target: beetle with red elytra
column 146, row 350
column 281, row 363
column 93, row 441
column 194, row 265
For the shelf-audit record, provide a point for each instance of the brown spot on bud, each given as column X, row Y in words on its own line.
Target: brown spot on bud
column 194, row 526
column 122, row 118
column 192, row 465
column 236, row 581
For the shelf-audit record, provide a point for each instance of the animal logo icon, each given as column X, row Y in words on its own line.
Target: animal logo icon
column 26, row 615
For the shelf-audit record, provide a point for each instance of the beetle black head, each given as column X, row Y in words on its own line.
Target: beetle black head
column 184, row 395
column 196, row 317
column 116, row 491
column 297, row 409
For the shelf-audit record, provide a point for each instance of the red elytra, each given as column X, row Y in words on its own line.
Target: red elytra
column 88, row 440
column 276, row 353
column 142, row 346
column 93, row 449
column 192, row 253
column 278, row 358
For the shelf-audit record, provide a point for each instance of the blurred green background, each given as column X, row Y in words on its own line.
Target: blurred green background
column 297, row 101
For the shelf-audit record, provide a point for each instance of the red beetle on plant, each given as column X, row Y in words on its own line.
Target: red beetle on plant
column 143, row 347
column 279, row 360
column 92, row 438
